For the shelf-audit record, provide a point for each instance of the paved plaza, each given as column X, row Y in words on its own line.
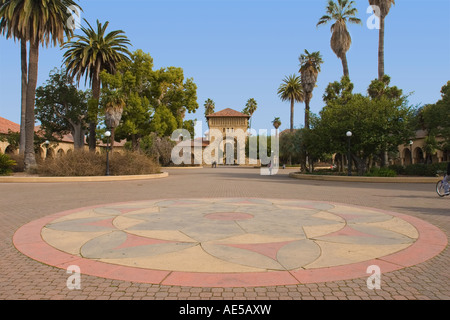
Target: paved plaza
column 223, row 233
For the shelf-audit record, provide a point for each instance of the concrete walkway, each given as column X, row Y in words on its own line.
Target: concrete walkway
column 223, row 233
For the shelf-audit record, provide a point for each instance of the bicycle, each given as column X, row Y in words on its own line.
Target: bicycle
column 441, row 186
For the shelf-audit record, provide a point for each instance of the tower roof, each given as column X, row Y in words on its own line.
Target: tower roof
column 228, row 113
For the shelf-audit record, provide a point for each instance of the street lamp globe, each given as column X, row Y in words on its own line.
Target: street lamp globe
column 108, row 133
column 349, row 134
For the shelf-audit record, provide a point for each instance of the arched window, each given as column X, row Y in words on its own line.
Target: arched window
column 418, row 155
column 10, row 150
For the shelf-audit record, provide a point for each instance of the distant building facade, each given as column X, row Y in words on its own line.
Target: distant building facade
column 53, row 149
column 414, row 151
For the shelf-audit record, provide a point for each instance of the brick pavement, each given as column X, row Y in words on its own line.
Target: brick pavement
column 23, row 278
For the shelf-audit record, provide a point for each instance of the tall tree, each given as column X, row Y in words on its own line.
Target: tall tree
column 380, row 89
column 309, row 70
column 377, row 124
column 170, row 89
column 114, row 103
column 62, row 108
column 435, row 119
column 291, row 90
column 39, row 22
column 131, row 82
column 88, row 55
column 276, row 123
column 250, row 108
column 384, row 8
column 340, row 12
column 209, row 108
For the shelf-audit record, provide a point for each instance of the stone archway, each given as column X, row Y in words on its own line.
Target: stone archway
column 60, row 153
column 445, row 155
column 419, row 155
column 10, row 150
column 41, row 153
column 407, row 157
column 50, row 153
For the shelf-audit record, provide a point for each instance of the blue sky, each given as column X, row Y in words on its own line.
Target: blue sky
column 241, row 49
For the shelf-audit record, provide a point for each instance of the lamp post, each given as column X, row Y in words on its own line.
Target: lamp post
column 349, row 159
column 108, row 135
column 410, row 150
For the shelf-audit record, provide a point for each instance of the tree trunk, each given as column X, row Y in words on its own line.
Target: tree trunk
column 30, row 157
column 292, row 115
column 24, row 67
column 93, row 114
column 345, row 65
column 385, row 157
column 135, row 143
column 307, row 99
column 381, row 49
column 78, row 136
column 361, row 164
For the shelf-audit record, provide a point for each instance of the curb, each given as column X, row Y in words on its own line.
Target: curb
column 83, row 179
column 192, row 167
column 297, row 175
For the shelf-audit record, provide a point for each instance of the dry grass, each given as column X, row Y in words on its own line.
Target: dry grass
column 91, row 164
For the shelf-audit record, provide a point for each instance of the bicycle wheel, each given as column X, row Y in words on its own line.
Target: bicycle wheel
column 440, row 188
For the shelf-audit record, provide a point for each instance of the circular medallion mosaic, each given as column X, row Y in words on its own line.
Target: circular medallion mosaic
column 229, row 242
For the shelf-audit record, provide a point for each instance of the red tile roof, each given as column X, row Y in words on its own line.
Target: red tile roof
column 228, row 113
column 6, row 125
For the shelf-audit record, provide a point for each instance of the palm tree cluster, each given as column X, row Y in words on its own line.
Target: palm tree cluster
column 340, row 12
column 33, row 23
column 45, row 22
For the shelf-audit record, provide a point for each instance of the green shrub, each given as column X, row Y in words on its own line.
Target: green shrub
column 420, row 169
column 399, row 169
column 381, row 172
column 6, row 165
column 425, row 170
column 91, row 164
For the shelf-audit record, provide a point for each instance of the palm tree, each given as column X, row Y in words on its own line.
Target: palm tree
column 88, row 55
column 385, row 7
column 209, row 108
column 250, row 108
column 114, row 102
column 340, row 12
column 37, row 22
column 291, row 90
column 276, row 123
column 309, row 71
